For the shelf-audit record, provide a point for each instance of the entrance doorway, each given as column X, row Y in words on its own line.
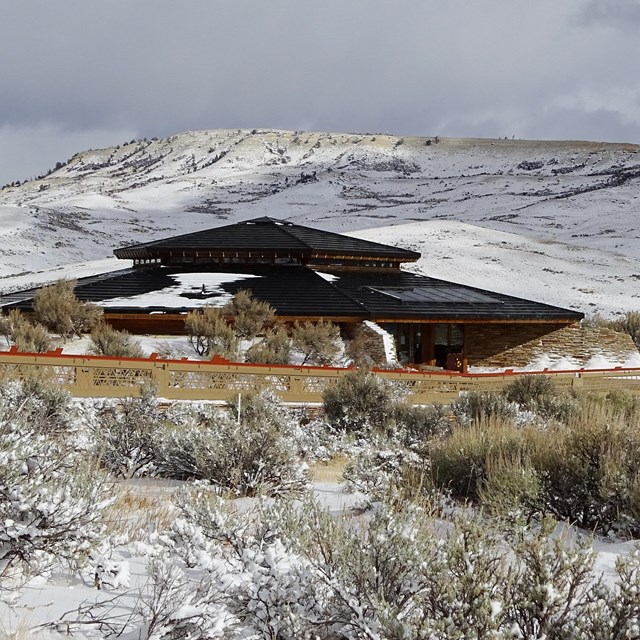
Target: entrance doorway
column 409, row 342
column 438, row 345
column 448, row 346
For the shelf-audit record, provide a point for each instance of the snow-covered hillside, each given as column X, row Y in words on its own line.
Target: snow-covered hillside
column 581, row 277
column 582, row 195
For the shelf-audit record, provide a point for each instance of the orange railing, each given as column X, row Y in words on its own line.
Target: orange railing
column 218, row 379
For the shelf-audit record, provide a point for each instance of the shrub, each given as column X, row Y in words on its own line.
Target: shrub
column 629, row 323
column 511, row 486
column 31, row 338
column 402, row 577
column 590, row 470
column 27, row 337
column 417, row 425
column 6, row 327
column 477, row 406
column 538, row 394
column 252, row 454
column 58, row 309
column 127, row 434
column 586, row 471
column 459, row 462
column 274, row 348
column 620, row 402
column 47, row 409
column 52, row 497
column 291, row 570
column 250, row 316
column 360, row 401
column 529, row 390
column 376, row 472
column 209, row 333
column 317, row 341
column 107, row 341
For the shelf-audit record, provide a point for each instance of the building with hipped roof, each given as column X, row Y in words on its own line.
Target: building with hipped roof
column 308, row 274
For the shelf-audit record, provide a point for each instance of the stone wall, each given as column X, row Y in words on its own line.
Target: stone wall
column 495, row 345
column 366, row 344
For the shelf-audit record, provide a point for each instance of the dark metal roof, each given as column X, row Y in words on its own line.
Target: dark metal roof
column 412, row 296
column 301, row 292
column 267, row 235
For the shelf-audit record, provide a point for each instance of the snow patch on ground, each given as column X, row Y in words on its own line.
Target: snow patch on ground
column 550, row 362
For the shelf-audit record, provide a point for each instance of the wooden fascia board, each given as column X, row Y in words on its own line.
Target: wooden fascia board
column 381, row 320
column 395, row 319
column 160, row 317
column 145, row 253
column 361, row 257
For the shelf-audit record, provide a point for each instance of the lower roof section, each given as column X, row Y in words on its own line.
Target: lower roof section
column 300, row 292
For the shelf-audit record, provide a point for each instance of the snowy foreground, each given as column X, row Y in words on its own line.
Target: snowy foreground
column 119, row 586
column 150, row 586
column 130, row 555
column 63, row 593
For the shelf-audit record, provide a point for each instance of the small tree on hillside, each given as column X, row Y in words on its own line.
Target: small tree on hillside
column 209, row 333
column 317, row 341
column 250, row 315
column 107, row 341
column 57, row 308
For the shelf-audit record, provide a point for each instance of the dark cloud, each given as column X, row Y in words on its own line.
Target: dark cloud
column 158, row 67
column 621, row 14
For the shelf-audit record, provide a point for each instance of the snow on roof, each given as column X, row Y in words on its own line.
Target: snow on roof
column 329, row 277
column 197, row 289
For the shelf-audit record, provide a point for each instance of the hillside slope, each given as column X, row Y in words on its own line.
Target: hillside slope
column 583, row 194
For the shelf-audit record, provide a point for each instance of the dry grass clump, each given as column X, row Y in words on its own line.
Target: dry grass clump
column 459, row 462
column 329, row 470
column 135, row 514
column 586, row 470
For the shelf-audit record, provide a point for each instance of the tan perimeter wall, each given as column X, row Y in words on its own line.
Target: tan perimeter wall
column 494, row 345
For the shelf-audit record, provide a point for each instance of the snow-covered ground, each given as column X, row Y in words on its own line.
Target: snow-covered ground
column 47, row 599
column 65, row 593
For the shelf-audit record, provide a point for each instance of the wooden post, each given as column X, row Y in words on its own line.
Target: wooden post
column 465, row 347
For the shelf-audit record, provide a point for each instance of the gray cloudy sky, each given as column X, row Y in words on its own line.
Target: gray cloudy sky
column 76, row 74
